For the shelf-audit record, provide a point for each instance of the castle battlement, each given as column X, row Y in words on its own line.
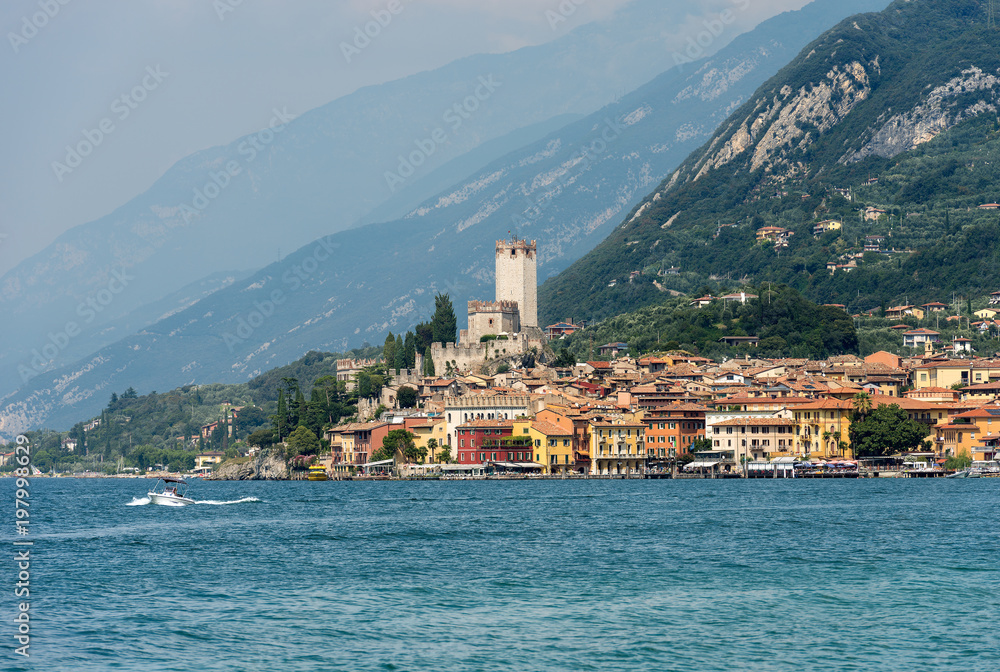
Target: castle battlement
column 492, row 307
column 487, row 401
column 515, row 245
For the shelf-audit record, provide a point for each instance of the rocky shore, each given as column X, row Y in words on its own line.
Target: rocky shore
column 260, row 467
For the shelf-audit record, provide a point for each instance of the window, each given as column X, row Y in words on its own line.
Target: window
column 461, row 444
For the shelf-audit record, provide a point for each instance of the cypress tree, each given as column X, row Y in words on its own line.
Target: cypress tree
column 410, row 350
column 428, row 363
column 389, row 351
column 399, row 359
column 443, row 323
column 280, row 418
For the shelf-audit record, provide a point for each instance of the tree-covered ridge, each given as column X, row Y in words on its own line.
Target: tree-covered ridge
column 707, row 227
column 787, row 325
column 166, row 428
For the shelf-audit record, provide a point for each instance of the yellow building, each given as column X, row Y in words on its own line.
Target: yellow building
column 553, row 445
column 434, row 428
column 964, row 433
column 948, row 373
column 617, row 446
column 822, row 429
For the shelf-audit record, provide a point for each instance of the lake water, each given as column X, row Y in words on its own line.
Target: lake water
column 599, row 575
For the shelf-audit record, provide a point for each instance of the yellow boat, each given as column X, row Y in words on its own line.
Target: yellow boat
column 317, row 473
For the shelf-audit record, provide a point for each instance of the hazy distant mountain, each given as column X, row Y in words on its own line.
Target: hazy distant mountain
column 244, row 204
column 567, row 191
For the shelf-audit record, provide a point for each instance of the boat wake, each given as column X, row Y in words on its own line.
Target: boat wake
column 143, row 501
column 245, row 500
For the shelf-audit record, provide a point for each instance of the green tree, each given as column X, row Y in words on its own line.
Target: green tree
column 407, row 397
column 428, row 362
column 444, row 456
column 443, row 323
column 410, row 350
column 301, row 410
column 862, row 405
column 565, row 358
column 280, row 418
column 886, row 431
column 700, row 445
column 432, row 446
column 389, row 350
column 399, row 355
column 261, row 438
column 302, row 442
column 400, row 446
column 423, row 336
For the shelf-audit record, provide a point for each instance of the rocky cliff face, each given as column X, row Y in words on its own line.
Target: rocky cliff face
column 261, row 467
column 944, row 107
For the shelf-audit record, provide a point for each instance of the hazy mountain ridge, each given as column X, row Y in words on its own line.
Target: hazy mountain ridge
column 564, row 191
column 229, row 206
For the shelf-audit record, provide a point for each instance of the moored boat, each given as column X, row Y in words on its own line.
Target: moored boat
column 317, row 472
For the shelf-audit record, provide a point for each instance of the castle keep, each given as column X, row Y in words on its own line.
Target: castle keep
column 517, row 277
column 513, row 316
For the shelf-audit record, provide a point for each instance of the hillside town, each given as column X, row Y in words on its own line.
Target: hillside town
column 634, row 417
column 671, row 413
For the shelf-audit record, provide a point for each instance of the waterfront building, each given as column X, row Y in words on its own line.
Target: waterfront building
column 617, row 446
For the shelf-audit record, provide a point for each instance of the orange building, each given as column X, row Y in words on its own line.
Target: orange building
column 671, row 429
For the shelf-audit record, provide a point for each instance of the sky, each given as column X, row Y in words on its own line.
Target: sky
column 148, row 83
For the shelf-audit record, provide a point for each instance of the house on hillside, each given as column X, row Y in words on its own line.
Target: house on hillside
column 872, row 214
column 916, row 338
column 826, row 225
column 560, row 329
column 703, row 301
column 900, row 312
column 935, row 307
column 874, row 243
column 612, row 349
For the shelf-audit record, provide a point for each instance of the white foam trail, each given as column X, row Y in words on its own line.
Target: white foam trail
column 138, row 501
column 213, row 502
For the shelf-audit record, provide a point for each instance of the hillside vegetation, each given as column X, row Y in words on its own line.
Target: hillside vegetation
column 895, row 111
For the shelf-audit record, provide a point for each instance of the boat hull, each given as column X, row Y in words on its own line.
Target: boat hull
column 169, row 500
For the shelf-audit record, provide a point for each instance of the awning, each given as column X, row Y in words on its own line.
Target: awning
column 699, row 464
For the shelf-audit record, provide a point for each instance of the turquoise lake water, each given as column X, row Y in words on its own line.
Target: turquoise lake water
column 595, row 575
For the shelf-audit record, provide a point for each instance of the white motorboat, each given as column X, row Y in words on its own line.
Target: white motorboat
column 168, row 494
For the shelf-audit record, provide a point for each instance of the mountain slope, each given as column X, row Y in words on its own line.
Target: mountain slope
column 565, row 191
column 861, row 110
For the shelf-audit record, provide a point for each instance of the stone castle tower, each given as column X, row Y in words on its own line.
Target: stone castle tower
column 517, row 278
